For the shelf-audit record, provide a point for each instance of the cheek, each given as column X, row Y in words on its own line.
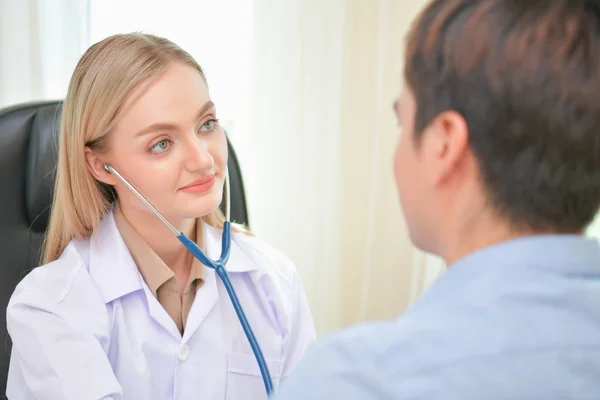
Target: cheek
column 156, row 182
column 401, row 161
column 148, row 173
column 219, row 152
column 407, row 171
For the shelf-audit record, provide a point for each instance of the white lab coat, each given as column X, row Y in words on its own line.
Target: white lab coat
column 86, row 327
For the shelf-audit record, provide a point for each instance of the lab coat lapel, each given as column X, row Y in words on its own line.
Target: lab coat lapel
column 207, row 296
column 110, row 264
column 204, row 302
column 160, row 315
column 114, row 271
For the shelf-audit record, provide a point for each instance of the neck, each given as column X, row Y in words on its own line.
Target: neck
column 160, row 238
column 467, row 241
column 478, row 226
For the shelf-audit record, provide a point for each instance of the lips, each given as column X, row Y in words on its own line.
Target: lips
column 200, row 185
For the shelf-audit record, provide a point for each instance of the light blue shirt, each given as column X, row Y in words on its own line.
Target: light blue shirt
column 518, row 320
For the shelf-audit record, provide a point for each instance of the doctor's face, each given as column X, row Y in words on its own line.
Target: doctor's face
column 169, row 145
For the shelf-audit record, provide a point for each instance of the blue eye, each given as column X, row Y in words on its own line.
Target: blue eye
column 209, row 125
column 161, row 146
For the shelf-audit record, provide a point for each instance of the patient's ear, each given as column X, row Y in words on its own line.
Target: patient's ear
column 447, row 145
column 95, row 164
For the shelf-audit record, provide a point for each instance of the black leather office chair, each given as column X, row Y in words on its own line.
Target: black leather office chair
column 28, row 146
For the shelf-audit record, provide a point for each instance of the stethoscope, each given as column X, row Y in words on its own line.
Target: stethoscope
column 217, row 265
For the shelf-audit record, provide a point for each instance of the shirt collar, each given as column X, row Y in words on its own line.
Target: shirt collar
column 550, row 254
column 115, row 272
column 152, row 268
column 556, row 252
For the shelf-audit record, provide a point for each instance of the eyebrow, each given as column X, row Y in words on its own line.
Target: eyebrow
column 157, row 126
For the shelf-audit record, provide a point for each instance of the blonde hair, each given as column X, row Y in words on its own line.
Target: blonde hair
column 103, row 80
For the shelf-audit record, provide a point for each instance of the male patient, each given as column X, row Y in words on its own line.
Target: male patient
column 498, row 172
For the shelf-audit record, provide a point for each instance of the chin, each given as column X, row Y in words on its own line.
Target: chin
column 415, row 240
column 423, row 242
column 197, row 207
column 418, row 237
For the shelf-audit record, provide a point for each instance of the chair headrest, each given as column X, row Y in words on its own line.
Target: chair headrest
column 41, row 161
column 28, row 155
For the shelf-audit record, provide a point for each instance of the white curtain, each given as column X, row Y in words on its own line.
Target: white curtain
column 291, row 156
column 318, row 159
column 40, row 43
column 218, row 34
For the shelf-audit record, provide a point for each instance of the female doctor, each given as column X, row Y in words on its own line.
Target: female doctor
column 121, row 310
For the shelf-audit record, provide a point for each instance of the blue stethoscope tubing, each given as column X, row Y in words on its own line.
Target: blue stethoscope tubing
column 218, row 266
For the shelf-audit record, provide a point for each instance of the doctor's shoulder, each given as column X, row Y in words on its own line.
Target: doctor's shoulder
column 62, row 289
column 280, row 289
column 273, row 274
column 265, row 259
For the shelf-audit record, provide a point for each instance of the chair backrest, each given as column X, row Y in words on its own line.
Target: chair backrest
column 28, row 144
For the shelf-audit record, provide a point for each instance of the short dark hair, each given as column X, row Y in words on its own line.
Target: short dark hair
column 525, row 75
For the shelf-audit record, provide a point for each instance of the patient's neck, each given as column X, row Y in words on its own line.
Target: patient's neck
column 470, row 241
column 473, row 225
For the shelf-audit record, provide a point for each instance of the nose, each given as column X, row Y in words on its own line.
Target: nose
column 197, row 155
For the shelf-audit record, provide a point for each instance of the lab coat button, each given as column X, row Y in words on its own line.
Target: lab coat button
column 184, row 352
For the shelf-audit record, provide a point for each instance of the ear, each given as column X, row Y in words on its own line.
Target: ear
column 95, row 164
column 447, row 145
